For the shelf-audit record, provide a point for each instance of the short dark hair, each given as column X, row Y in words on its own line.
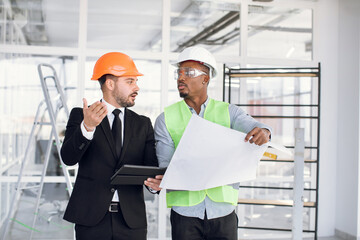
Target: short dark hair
column 102, row 80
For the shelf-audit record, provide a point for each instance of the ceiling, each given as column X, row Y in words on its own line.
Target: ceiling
column 137, row 25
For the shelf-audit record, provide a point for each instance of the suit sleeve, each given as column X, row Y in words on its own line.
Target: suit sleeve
column 150, row 158
column 75, row 144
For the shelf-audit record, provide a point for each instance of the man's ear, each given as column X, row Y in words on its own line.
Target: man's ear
column 206, row 79
column 109, row 83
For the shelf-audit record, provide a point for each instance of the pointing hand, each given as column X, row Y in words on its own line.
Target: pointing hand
column 94, row 114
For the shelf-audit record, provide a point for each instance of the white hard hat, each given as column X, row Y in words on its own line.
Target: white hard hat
column 199, row 54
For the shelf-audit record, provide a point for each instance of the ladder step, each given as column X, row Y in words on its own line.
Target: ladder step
column 30, row 187
column 42, row 123
column 71, row 167
column 286, row 203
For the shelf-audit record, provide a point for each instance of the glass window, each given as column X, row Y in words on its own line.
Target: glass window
column 148, row 100
column 289, row 92
column 21, row 95
column 173, row 93
column 41, row 23
column 275, row 217
column 130, row 25
column 20, row 77
column 276, row 32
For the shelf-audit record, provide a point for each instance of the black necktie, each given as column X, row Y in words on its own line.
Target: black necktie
column 116, row 131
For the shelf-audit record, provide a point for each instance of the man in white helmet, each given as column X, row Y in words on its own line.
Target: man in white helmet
column 206, row 214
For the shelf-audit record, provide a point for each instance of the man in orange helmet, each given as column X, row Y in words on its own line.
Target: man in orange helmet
column 101, row 138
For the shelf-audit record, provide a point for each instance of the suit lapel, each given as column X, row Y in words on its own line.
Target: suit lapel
column 128, row 122
column 107, row 132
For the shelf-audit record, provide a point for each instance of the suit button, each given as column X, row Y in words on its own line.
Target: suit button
column 82, row 146
column 112, row 190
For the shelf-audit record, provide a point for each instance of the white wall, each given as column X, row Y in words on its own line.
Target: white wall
column 359, row 135
column 347, row 167
column 338, row 50
column 326, row 45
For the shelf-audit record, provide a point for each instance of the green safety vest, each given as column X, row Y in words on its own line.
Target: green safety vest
column 177, row 116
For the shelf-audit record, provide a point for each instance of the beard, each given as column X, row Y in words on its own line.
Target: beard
column 183, row 95
column 123, row 101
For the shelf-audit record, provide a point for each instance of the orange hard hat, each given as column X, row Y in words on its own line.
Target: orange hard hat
column 115, row 63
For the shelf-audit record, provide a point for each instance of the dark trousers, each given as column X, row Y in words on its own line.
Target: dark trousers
column 111, row 227
column 190, row 228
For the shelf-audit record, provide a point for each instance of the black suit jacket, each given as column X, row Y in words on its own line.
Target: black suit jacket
column 92, row 193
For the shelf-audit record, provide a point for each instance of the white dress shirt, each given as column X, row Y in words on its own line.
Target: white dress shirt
column 110, row 116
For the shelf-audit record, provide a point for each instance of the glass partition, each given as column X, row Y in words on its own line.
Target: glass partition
column 22, row 99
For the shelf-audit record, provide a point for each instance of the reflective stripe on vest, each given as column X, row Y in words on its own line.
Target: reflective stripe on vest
column 177, row 116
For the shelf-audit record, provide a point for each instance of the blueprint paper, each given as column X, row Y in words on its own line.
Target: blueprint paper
column 210, row 155
column 281, row 148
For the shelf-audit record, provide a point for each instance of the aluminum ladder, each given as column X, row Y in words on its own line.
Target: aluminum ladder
column 52, row 107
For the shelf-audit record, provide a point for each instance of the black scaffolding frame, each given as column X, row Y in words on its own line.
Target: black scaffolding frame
column 313, row 72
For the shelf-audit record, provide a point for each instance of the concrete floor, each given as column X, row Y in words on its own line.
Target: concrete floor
column 50, row 225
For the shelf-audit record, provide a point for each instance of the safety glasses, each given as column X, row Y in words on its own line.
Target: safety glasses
column 188, row 72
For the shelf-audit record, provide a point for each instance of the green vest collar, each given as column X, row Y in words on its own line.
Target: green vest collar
column 178, row 115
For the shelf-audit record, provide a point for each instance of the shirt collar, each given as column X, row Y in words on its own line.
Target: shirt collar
column 202, row 105
column 206, row 102
column 111, row 108
column 202, row 108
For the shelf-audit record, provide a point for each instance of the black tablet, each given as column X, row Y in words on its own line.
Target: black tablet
column 135, row 174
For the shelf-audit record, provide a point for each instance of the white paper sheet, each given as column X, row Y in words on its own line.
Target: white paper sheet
column 210, row 155
column 281, row 148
